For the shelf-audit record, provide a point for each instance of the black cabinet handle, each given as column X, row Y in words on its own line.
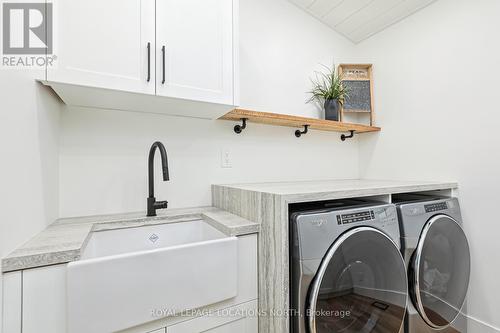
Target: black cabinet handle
column 149, row 62
column 163, row 59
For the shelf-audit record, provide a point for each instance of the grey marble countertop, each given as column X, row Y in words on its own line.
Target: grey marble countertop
column 64, row 240
column 301, row 191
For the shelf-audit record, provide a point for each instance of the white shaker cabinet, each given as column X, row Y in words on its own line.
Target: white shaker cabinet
column 12, row 284
column 176, row 57
column 104, row 44
column 44, row 299
column 195, row 43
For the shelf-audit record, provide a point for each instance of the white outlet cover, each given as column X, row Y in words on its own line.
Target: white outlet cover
column 226, row 158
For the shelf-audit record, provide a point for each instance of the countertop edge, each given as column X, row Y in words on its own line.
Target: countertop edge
column 239, row 225
column 329, row 195
column 372, row 185
column 12, row 264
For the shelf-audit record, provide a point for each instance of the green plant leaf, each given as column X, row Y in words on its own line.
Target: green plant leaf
column 327, row 85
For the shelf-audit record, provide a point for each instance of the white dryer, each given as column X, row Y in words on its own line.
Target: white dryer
column 437, row 256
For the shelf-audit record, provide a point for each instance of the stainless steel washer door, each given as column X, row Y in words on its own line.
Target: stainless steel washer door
column 439, row 271
column 360, row 286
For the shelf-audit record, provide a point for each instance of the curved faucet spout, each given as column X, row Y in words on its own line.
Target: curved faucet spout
column 152, row 204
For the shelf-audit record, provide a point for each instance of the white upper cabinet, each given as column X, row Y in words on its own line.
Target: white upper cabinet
column 195, row 49
column 104, row 44
column 175, row 57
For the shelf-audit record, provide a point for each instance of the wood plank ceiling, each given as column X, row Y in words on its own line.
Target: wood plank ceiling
column 360, row 19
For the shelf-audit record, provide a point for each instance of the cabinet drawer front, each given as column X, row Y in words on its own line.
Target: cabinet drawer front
column 212, row 325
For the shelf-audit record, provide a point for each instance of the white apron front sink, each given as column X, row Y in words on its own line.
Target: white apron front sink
column 127, row 277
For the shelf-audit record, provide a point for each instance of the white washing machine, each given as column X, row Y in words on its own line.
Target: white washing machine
column 346, row 268
column 437, row 256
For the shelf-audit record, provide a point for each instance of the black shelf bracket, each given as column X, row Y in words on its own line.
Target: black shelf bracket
column 298, row 133
column 343, row 137
column 239, row 128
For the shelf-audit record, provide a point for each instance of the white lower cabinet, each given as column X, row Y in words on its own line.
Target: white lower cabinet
column 44, row 299
column 34, row 300
column 12, row 302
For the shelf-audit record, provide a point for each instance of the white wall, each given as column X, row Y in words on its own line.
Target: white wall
column 29, row 135
column 436, row 77
column 103, row 155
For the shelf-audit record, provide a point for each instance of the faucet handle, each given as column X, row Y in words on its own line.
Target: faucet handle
column 153, row 205
column 161, row 204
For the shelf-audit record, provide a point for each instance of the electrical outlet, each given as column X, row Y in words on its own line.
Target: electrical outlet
column 226, row 158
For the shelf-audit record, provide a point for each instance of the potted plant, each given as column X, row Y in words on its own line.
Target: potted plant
column 329, row 91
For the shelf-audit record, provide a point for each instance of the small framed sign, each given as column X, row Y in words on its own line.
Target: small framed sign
column 357, row 79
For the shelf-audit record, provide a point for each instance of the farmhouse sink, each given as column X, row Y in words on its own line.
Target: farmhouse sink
column 127, row 277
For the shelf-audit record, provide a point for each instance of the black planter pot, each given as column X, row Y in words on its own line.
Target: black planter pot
column 332, row 108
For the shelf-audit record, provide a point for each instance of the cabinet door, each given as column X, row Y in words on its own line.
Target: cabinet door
column 195, row 50
column 105, row 44
column 12, row 302
column 44, row 299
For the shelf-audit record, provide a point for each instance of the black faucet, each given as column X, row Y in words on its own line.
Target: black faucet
column 153, row 205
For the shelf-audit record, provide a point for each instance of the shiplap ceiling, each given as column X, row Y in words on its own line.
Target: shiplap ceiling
column 360, row 19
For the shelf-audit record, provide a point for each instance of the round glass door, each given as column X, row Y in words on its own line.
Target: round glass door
column 440, row 271
column 360, row 286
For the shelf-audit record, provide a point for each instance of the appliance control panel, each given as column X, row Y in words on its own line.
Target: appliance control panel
column 381, row 216
column 362, row 216
column 435, row 207
column 314, row 231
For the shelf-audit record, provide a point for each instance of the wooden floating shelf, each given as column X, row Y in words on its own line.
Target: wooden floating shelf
column 296, row 122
